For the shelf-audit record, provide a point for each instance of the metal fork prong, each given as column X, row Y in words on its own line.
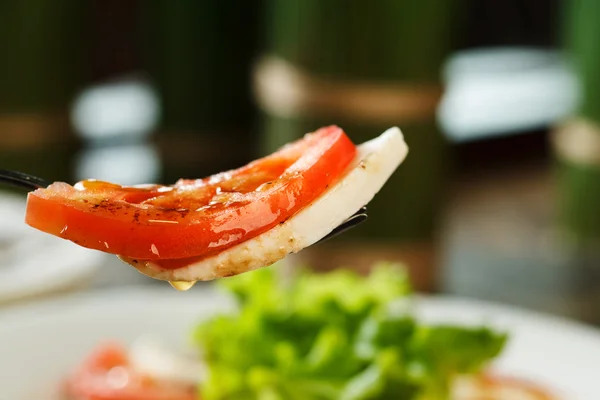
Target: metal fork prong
column 352, row 221
column 22, row 180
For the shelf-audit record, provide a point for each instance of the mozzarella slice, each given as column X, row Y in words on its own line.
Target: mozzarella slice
column 375, row 161
column 150, row 356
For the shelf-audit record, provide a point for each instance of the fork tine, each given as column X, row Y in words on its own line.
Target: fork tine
column 352, row 221
column 22, row 180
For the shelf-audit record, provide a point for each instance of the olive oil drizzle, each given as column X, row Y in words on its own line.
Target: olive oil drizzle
column 182, row 286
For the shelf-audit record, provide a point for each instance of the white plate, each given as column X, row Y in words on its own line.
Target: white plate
column 33, row 263
column 40, row 342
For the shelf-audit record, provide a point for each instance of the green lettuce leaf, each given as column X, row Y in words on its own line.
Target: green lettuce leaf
column 334, row 336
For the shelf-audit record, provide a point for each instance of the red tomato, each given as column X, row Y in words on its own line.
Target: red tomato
column 194, row 217
column 106, row 375
column 500, row 387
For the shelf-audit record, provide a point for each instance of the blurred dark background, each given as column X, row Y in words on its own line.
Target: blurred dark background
column 489, row 204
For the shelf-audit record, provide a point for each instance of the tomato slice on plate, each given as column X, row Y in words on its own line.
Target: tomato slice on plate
column 107, row 375
column 493, row 387
column 194, row 217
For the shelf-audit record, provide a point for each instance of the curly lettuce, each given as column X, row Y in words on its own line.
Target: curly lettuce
column 334, row 336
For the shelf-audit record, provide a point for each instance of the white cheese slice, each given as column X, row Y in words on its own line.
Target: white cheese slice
column 375, row 161
column 150, row 356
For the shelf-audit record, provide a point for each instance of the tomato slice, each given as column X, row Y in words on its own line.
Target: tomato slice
column 194, row 217
column 107, row 375
column 491, row 386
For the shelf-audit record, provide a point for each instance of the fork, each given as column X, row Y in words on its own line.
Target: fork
column 22, row 180
column 31, row 182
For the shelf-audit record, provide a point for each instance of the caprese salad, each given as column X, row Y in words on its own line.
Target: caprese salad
column 228, row 223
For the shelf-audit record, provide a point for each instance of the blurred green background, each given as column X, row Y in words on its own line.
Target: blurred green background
column 498, row 100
